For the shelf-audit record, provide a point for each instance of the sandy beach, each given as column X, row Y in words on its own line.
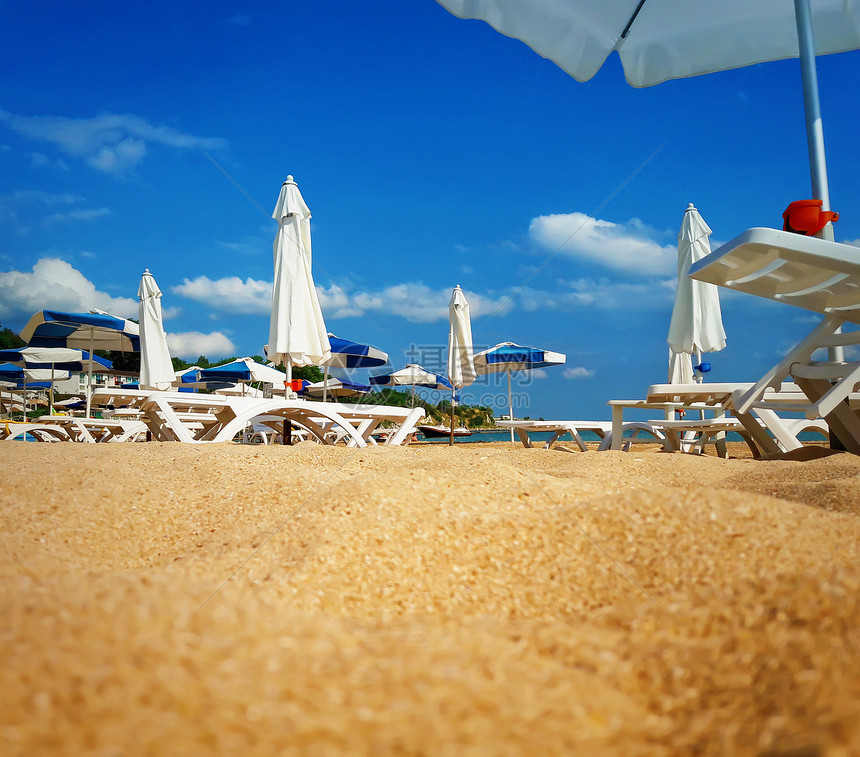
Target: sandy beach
column 484, row 599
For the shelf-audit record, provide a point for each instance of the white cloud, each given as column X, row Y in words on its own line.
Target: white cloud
column 538, row 373
column 35, row 204
column 230, row 294
column 578, row 373
column 41, row 197
column 54, row 284
column 603, row 294
column 39, row 159
column 191, row 344
column 76, row 215
column 630, row 247
column 414, row 302
column 421, row 304
column 853, row 242
column 110, row 142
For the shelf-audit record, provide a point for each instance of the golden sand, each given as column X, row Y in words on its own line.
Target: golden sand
column 478, row 600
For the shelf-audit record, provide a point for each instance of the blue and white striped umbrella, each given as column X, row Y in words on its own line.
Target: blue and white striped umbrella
column 335, row 388
column 509, row 357
column 243, row 369
column 91, row 331
column 27, row 378
column 58, row 358
column 54, row 359
column 14, row 374
column 412, row 375
column 347, row 354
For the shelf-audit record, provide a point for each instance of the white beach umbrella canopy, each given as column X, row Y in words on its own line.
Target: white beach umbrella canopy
column 156, row 367
column 697, row 324
column 461, row 362
column 297, row 332
column 658, row 40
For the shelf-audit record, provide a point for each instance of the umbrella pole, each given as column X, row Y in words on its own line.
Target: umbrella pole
column 51, row 393
column 413, row 396
column 325, row 384
column 90, row 373
column 287, row 430
column 451, row 438
column 510, row 404
column 812, row 108
column 814, row 127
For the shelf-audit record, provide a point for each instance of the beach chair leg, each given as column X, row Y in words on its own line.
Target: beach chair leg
column 617, row 427
column 577, row 438
column 524, row 438
column 842, row 420
column 763, row 442
column 672, row 441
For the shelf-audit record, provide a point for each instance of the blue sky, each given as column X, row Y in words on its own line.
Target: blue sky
column 432, row 152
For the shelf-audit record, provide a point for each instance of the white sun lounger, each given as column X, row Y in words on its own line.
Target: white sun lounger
column 814, row 274
column 42, row 432
column 761, row 427
column 94, row 430
column 603, row 430
column 196, row 418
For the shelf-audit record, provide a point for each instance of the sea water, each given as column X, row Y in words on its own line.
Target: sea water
column 541, row 437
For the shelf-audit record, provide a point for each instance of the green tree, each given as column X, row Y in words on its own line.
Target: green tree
column 9, row 340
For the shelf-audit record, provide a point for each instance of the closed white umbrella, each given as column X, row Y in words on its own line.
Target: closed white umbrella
column 156, row 367
column 697, row 324
column 297, row 332
column 461, row 363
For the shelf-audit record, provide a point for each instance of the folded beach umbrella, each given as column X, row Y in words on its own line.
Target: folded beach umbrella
column 335, row 388
column 412, row 375
column 91, row 331
column 297, row 332
column 658, row 40
column 461, row 364
column 697, row 324
column 156, row 367
column 509, row 357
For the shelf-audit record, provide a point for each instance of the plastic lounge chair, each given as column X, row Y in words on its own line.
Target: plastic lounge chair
column 211, row 418
column 761, row 427
column 814, row 274
column 41, row 432
column 94, row 430
column 195, row 418
column 575, row 428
